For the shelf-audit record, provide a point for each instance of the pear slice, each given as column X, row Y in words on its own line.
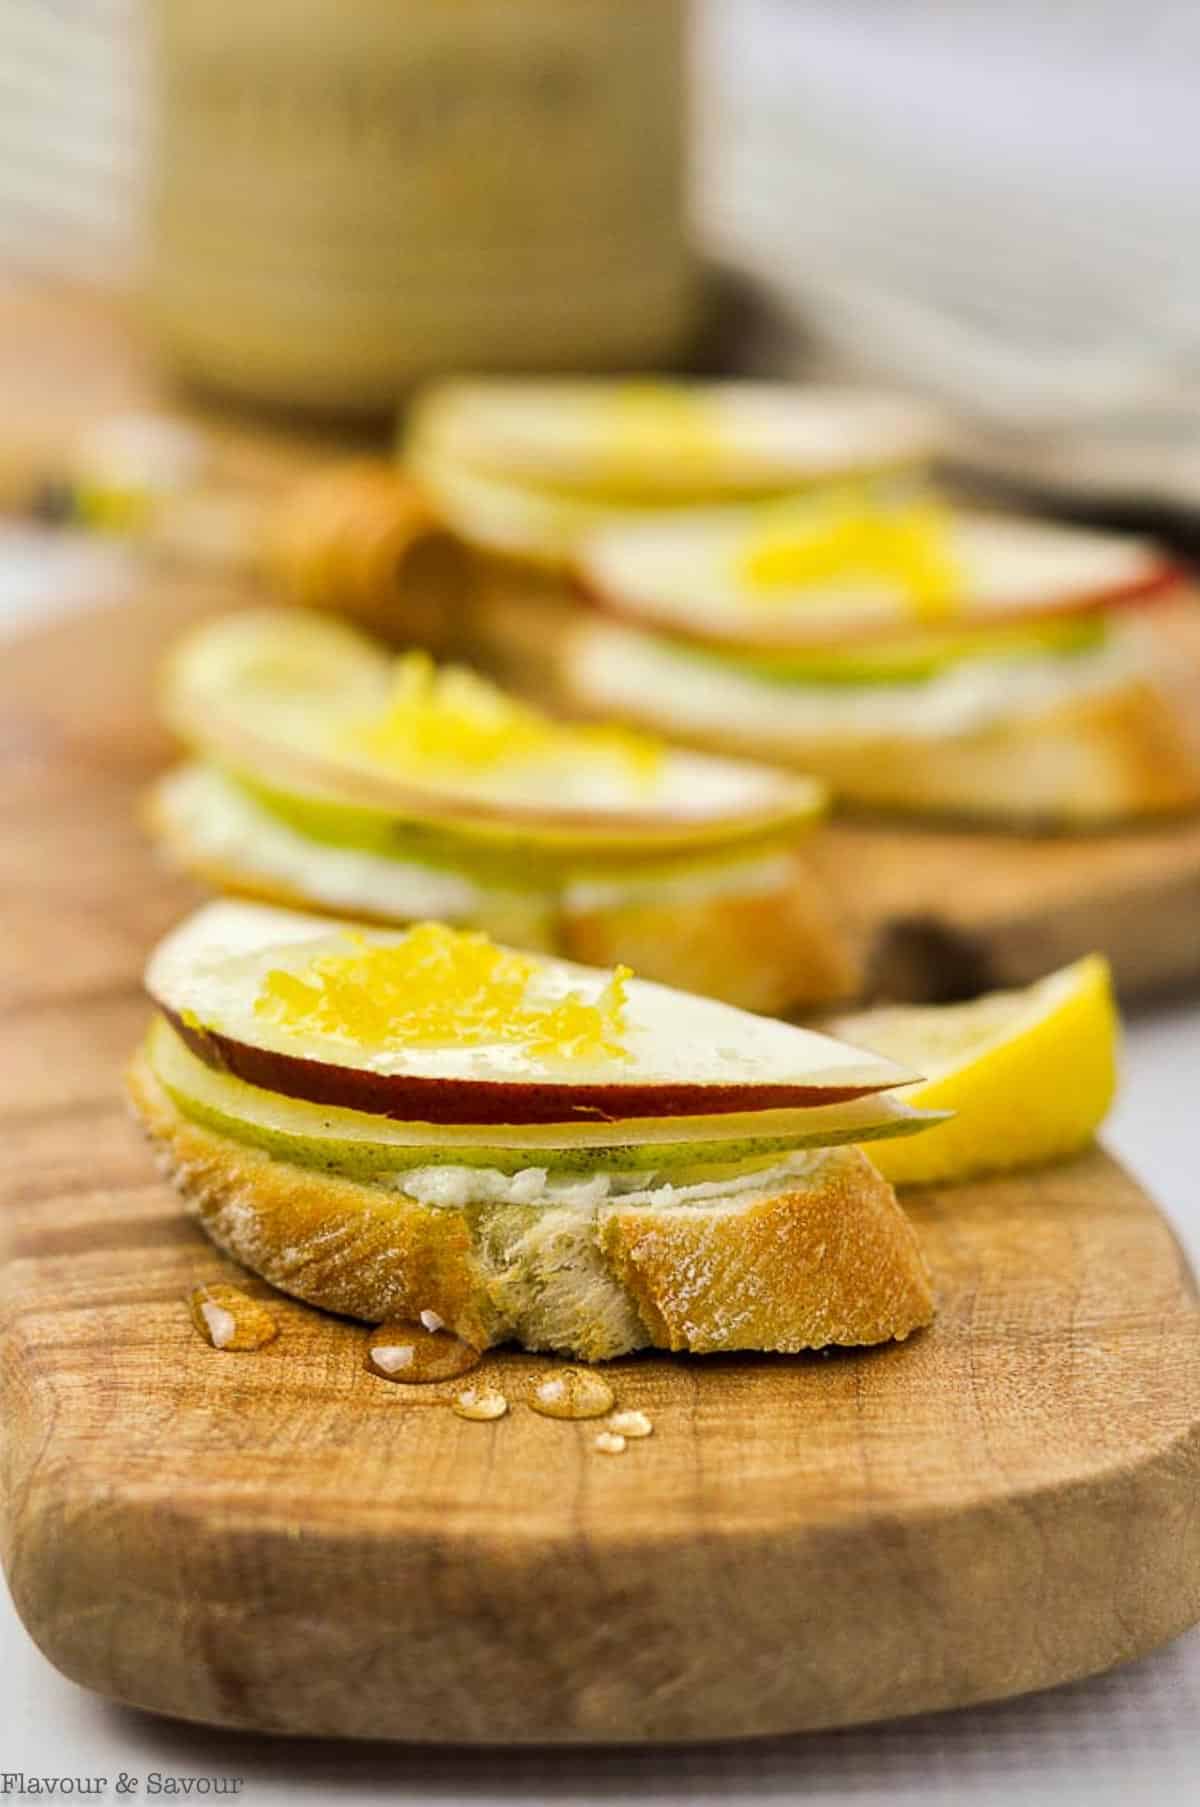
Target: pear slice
column 362, row 1146
column 656, row 442
column 686, row 575
column 536, row 526
column 279, row 698
column 651, row 1052
column 915, row 657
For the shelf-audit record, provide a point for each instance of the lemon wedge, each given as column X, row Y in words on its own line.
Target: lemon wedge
column 1029, row 1074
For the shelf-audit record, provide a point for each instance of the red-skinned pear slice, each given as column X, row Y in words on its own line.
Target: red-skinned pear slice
column 686, row 574
column 660, row 1053
column 287, row 699
column 658, row 441
column 355, row 1143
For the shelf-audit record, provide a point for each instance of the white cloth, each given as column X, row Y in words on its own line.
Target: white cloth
column 72, row 132
column 45, row 575
column 1000, row 204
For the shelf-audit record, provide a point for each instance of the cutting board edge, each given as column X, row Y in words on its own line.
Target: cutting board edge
column 623, row 1719
column 83, row 1627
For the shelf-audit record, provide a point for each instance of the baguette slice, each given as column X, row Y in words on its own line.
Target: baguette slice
column 830, row 1258
column 1108, row 754
column 765, row 937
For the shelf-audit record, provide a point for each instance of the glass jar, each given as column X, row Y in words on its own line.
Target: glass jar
column 353, row 194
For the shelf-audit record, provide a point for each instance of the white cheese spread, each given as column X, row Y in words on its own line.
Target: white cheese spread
column 216, row 821
column 611, row 663
column 455, row 1188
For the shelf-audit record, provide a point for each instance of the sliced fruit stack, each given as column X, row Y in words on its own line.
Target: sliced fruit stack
column 332, row 775
column 524, row 471
column 392, row 1123
column 915, row 657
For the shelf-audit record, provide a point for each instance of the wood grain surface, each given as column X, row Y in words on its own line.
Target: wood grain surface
column 280, row 1540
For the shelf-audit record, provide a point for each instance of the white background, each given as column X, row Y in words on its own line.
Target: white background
column 1130, row 1736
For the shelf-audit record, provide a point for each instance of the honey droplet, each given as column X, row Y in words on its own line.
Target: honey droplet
column 228, row 1318
column 572, row 1393
column 480, row 1404
column 609, row 1443
column 417, row 1356
column 630, row 1424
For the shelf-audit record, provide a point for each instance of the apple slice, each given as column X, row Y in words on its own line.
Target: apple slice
column 364, row 1146
column 666, row 442
column 435, row 1026
column 691, row 575
column 303, row 708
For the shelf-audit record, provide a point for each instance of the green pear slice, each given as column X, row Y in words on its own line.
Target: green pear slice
column 361, row 1146
column 678, row 1056
column 274, row 696
column 511, row 865
column 665, row 442
column 536, row 526
column 684, row 574
column 913, row 658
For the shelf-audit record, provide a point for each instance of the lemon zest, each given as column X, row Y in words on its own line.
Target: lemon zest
column 852, row 538
column 440, row 987
column 450, row 720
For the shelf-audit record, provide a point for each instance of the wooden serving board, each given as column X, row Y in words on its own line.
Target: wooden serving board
column 945, row 913
column 281, row 1541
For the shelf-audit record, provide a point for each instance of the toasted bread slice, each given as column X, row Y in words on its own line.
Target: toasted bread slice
column 1105, row 752
column 762, row 934
column 828, row 1257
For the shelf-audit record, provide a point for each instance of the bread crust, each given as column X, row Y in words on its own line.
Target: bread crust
column 833, row 1261
column 771, row 948
column 1088, row 762
column 838, row 1264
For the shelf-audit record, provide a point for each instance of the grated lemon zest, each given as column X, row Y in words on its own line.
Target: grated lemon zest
column 452, row 720
column 440, row 987
column 851, row 538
